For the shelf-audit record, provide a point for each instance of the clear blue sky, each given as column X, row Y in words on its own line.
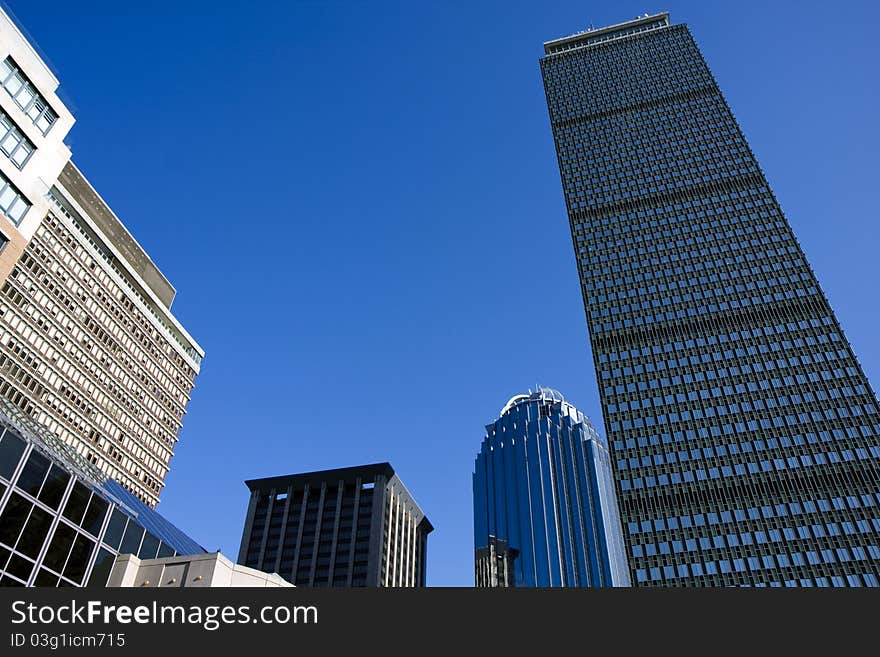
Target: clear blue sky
column 360, row 207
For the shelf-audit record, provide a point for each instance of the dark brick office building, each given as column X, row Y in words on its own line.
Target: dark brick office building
column 348, row 527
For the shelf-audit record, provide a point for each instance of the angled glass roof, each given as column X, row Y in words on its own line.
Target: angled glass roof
column 151, row 520
column 68, row 459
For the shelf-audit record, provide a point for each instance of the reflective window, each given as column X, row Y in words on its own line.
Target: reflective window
column 13, row 518
column 165, row 550
column 54, row 487
column 35, row 532
column 59, row 548
column 132, row 540
column 115, row 529
column 45, row 578
column 11, row 449
column 76, row 503
column 79, row 558
column 101, row 569
column 31, row 478
column 94, row 517
column 20, row 567
column 149, row 547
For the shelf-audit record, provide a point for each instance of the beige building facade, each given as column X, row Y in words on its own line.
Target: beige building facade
column 89, row 347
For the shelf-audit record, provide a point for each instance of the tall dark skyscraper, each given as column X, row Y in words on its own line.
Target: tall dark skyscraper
column 743, row 431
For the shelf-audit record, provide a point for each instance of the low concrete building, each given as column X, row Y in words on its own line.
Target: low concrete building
column 198, row 570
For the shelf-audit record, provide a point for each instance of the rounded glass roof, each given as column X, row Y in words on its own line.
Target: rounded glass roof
column 541, row 394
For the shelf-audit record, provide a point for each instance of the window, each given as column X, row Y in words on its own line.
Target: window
column 115, row 529
column 11, row 449
column 13, row 518
column 101, row 569
column 26, row 96
column 13, row 143
column 34, row 472
column 12, row 203
column 35, row 532
column 78, row 560
column 59, row 547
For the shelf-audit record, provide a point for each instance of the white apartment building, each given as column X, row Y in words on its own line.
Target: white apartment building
column 89, row 346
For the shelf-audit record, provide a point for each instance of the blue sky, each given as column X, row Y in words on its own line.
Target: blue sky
column 360, row 208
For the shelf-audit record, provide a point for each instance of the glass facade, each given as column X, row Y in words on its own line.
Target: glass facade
column 545, row 511
column 743, row 431
column 61, row 522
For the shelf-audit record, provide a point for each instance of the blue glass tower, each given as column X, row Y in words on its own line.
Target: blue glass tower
column 545, row 512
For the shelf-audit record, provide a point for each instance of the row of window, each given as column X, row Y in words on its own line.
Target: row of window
column 682, row 378
column 734, row 339
column 752, row 565
column 92, row 421
column 692, row 304
column 760, row 410
column 66, row 364
column 679, row 159
column 97, row 361
column 749, row 467
column 746, row 266
column 659, row 214
column 26, row 96
column 134, row 298
column 83, row 280
column 746, row 341
column 741, row 450
column 765, row 511
column 786, row 535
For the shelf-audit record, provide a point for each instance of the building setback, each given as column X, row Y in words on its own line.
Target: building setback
column 545, row 511
column 743, row 431
column 89, row 346
column 62, row 521
column 349, row 527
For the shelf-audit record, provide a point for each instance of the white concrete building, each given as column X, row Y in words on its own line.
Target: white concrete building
column 194, row 571
column 89, row 346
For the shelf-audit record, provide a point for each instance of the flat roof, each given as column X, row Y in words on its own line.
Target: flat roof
column 77, row 184
column 367, row 473
column 370, row 471
column 592, row 34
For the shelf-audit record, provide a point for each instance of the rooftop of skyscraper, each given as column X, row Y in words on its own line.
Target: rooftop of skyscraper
column 597, row 35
